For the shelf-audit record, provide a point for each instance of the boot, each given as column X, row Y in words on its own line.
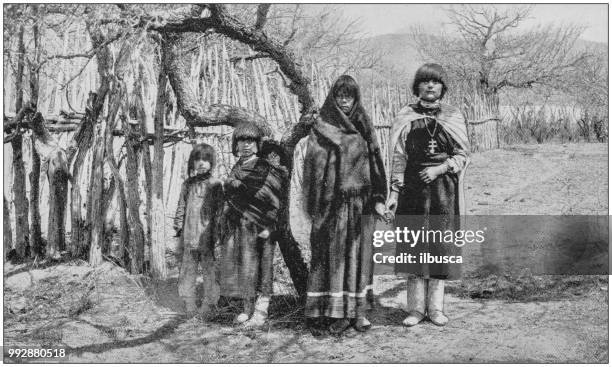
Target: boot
column 362, row 324
column 260, row 314
column 415, row 301
column 435, row 300
column 339, row 326
column 246, row 311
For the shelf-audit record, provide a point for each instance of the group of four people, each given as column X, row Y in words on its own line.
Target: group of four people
column 345, row 191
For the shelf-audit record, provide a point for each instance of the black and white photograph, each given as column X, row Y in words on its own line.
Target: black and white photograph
column 291, row 183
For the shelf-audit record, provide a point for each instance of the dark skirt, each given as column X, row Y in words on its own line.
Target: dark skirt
column 341, row 269
column 430, row 207
column 247, row 261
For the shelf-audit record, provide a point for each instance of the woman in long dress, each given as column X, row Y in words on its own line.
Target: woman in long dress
column 429, row 156
column 344, row 187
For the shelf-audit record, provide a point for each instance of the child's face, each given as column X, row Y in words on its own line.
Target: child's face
column 200, row 166
column 246, row 147
column 274, row 158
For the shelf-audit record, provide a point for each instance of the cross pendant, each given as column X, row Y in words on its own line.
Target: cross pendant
column 432, row 146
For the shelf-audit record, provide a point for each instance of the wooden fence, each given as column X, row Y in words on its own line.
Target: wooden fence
column 217, row 76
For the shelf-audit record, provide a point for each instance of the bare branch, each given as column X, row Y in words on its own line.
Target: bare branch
column 262, row 16
column 231, row 27
column 236, row 59
column 88, row 55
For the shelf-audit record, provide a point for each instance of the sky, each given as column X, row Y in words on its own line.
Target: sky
column 380, row 19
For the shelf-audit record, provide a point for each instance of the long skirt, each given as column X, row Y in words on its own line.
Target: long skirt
column 247, row 267
column 341, row 269
column 430, row 207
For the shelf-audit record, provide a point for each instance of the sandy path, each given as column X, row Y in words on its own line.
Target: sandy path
column 572, row 330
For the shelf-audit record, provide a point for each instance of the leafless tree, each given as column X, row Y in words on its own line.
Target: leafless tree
column 487, row 46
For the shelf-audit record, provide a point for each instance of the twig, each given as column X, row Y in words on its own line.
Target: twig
column 484, row 120
column 262, row 15
column 69, row 105
column 236, row 59
column 283, row 77
column 88, row 55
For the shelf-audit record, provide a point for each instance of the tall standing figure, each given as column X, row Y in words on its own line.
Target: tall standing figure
column 429, row 156
column 344, row 186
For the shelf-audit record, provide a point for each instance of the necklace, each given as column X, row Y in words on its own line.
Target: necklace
column 433, row 144
column 435, row 105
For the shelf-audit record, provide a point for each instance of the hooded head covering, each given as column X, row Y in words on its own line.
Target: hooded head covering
column 246, row 131
column 343, row 157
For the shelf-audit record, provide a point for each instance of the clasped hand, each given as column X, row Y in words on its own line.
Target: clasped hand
column 429, row 174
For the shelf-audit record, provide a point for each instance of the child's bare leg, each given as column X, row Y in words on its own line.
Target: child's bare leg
column 187, row 279
column 211, row 286
column 266, row 286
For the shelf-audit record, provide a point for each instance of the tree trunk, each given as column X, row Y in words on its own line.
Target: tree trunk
column 8, row 232
column 158, row 225
column 176, row 65
column 144, row 116
column 95, row 212
column 36, row 244
column 136, row 235
column 82, row 140
column 20, row 199
column 111, row 204
column 58, row 175
column 95, row 218
column 58, row 195
column 292, row 254
column 117, row 100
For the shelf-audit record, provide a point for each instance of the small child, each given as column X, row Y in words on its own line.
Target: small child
column 200, row 204
column 254, row 192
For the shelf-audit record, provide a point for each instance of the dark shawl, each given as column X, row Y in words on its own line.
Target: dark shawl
column 342, row 157
column 260, row 195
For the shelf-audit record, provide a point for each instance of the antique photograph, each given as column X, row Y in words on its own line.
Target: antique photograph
column 306, row 183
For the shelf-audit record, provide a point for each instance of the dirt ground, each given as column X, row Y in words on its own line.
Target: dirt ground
column 105, row 315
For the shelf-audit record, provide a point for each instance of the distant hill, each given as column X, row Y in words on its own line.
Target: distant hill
column 399, row 51
column 402, row 55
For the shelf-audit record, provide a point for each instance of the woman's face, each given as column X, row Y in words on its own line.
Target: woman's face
column 246, row 147
column 430, row 91
column 345, row 101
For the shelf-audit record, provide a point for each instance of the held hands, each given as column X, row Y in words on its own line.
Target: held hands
column 391, row 206
column 380, row 210
column 383, row 213
column 429, row 174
